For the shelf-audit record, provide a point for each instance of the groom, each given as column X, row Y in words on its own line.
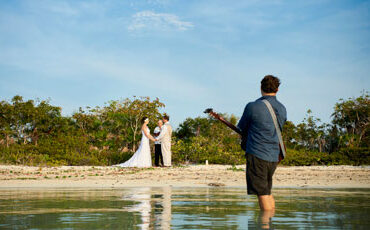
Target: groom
column 165, row 139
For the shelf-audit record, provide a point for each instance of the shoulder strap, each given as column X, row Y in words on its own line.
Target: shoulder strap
column 278, row 131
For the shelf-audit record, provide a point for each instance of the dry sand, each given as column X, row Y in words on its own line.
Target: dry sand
column 194, row 176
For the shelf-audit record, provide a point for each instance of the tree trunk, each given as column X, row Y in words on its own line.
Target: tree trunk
column 7, row 140
column 35, row 136
column 134, row 143
column 134, row 129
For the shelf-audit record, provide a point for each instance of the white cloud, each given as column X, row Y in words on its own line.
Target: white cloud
column 149, row 20
column 158, row 2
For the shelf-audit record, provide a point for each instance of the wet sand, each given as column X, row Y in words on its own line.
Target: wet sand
column 12, row 176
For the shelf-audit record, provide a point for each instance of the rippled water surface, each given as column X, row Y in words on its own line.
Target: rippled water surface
column 181, row 208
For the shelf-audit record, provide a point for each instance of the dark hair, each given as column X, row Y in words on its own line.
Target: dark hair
column 143, row 119
column 270, row 84
column 166, row 117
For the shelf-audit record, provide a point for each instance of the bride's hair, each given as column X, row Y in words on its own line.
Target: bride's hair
column 143, row 119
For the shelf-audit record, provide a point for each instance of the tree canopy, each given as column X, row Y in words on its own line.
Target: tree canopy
column 35, row 132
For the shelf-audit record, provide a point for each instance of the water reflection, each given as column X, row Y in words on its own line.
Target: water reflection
column 265, row 219
column 166, row 208
column 143, row 206
column 153, row 205
column 181, row 208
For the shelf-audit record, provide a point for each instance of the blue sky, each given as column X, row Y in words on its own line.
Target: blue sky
column 190, row 54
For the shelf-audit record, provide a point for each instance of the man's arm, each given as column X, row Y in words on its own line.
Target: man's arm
column 282, row 118
column 163, row 132
column 244, row 121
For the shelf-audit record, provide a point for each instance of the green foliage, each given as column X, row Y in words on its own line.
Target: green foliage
column 35, row 133
column 201, row 139
column 192, row 127
column 118, row 125
column 346, row 156
column 355, row 155
column 25, row 121
column 307, row 135
column 235, row 169
column 352, row 118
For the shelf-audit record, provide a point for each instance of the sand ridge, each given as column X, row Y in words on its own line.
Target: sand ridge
column 14, row 176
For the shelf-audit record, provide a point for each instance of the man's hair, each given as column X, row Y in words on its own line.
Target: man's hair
column 166, row 117
column 270, row 84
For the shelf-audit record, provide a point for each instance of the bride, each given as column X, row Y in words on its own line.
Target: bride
column 142, row 157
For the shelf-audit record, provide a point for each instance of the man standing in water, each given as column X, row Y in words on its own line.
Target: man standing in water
column 262, row 147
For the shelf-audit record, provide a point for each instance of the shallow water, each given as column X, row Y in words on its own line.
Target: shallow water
column 181, row 208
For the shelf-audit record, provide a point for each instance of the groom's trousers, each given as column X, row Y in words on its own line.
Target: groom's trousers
column 158, row 155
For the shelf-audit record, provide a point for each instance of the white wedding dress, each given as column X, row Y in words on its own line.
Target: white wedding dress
column 142, row 157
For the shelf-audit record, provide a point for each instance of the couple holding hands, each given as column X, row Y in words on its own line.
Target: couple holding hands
column 142, row 157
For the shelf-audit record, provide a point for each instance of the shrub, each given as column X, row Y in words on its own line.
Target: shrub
column 199, row 149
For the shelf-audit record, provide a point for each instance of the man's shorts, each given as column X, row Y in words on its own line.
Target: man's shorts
column 259, row 175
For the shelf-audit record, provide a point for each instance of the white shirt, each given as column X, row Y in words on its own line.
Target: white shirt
column 157, row 130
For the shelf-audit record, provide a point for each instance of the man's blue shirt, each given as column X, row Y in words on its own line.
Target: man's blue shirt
column 257, row 123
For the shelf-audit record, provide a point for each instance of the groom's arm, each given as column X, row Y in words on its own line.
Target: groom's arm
column 163, row 132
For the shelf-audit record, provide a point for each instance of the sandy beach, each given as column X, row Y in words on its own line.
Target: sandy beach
column 12, row 176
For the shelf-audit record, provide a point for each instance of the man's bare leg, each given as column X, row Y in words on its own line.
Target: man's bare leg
column 265, row 218
column 272, row 201
column 266, row 202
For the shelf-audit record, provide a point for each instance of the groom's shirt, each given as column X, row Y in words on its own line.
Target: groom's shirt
column 163, row 130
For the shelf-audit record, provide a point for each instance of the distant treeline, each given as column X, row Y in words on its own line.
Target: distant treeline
column 36, row 133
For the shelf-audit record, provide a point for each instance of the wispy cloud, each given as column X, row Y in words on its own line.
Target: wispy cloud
column 158, row 2
column 149, row 20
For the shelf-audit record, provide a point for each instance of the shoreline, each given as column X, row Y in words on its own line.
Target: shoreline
column 104, row 177
column 336, row 188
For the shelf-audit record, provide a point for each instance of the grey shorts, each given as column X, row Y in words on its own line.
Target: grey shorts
column 259, row 175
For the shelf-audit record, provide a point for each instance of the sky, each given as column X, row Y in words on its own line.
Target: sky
column 192, row 55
